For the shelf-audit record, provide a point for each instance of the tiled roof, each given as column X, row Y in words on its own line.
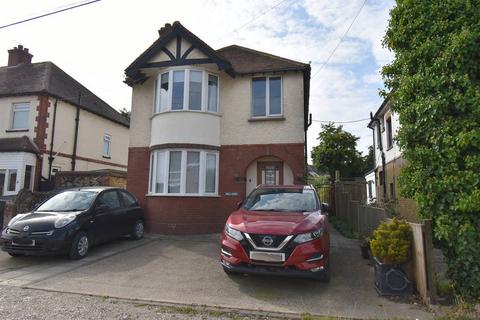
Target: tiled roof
column 246, row 60
column 46, row 77
column 21, row 144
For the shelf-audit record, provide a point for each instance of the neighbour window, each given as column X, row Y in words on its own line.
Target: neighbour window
column 20, row 116
column 389, row 133
column 190, row 90
column 184, row 172
column 107, row 141
column 370, row 189
column 381, row 177
column 392, row 190
column 28, row 177
column 267, row 97
column 12, row 180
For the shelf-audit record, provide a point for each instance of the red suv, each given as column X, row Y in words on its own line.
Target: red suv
column 278, row 230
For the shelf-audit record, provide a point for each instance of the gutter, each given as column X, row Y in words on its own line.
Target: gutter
column 380, row 145
column 50, row 156
column 75, row 139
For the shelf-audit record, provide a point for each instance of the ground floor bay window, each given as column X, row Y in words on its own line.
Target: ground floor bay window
column 184, row 172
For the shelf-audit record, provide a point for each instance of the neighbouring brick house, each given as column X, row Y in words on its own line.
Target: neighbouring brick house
column 208, row 125
column 49, row 122
column 388, row 163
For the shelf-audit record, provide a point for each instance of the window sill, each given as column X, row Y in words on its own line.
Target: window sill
column 389, row 148
column 255, row 119
column 193, row 111
column 16, row 130
column 106, row 157
column 182, row 195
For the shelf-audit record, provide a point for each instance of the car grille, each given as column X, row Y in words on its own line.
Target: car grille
column 257, row 239
column 287, row 249
column 12, row 231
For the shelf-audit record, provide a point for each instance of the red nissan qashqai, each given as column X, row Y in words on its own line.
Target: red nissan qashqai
column 278, row 230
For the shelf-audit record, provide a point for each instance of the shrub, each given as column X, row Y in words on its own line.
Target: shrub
column 391, row 242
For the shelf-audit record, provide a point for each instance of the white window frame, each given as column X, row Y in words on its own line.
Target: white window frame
column 183, row 177
column 186, row 91
column 267, row 98
column 12, row 115
column 107, row 137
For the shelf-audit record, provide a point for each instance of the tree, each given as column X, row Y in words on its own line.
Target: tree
column 337, row 151
column 434, row 85
column 126, row 113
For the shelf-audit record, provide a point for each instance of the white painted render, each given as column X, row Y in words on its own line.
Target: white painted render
column 185, row 127
column 394, row 152
column 234, row 109
column 17, row 161
column 6, row 106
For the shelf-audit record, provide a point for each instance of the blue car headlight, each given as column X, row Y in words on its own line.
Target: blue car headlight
column 309, row 236
column 233, row 233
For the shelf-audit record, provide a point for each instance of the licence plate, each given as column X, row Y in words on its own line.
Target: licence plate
column 267, row 256
column 25, row 243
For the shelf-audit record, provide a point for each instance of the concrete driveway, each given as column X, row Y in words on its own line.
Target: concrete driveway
column 186, row 270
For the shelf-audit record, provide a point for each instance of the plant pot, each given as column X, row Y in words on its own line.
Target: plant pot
column 391, row 280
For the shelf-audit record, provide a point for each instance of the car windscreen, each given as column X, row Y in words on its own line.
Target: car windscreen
column 299, row 200
column 69, row 201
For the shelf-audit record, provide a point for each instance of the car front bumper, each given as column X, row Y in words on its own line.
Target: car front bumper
column 306, row 260
column 57, row 243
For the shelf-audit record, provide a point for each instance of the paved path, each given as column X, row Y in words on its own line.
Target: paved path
column 186, row 270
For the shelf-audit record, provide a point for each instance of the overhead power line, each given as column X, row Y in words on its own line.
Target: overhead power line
column 341, row 40
column 50, row 13
column 351, row 121
column 279, row 3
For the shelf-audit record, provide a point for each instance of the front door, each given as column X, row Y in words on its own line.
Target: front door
column 270, row 172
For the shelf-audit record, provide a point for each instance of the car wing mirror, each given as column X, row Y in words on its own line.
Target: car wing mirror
column 101, row 208
column 239, row 204
column 324, row 207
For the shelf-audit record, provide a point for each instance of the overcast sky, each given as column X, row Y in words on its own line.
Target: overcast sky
column 95, row 43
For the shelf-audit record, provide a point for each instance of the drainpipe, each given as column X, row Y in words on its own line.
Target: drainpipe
column 50, row 157
column 380, row 145
column 77, row 121
column 306, row 149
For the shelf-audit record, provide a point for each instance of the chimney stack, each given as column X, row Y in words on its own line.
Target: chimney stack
column 164, row 30
column 19, row 55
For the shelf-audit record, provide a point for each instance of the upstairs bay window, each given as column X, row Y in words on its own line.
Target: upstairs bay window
column 184, row 172
column 187, row 89
column 267, row 97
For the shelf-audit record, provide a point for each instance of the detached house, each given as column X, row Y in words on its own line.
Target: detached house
column 49, row 122
column 388, row 163
column 208, row 126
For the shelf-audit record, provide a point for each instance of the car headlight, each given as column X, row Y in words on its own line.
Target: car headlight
column 63, row 221
column 233, row 233
column 309, row 236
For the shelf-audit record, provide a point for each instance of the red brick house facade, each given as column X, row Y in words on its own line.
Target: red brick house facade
column 208, row 125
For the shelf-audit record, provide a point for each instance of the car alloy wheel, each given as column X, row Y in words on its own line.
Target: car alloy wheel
column 138, row 230
column 82, row 246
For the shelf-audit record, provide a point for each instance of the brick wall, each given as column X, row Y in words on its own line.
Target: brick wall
column 104, row 177
column 197, row 215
